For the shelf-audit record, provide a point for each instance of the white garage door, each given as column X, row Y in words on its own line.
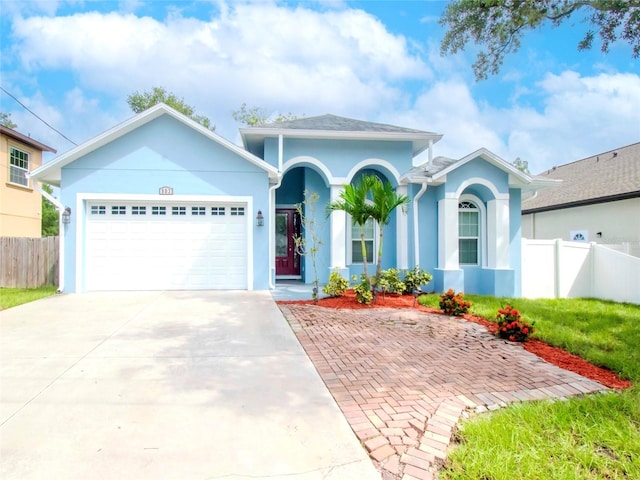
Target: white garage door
column 165, row 246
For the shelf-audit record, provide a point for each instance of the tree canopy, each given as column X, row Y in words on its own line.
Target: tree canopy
column 5, row 120
column 255, row 116
column 50, row 223
column 498, row 26
column 142, row 101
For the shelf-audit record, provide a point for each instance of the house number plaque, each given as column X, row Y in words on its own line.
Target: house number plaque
column 166, row 191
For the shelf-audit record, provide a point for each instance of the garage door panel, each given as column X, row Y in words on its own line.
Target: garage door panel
column 158, row 252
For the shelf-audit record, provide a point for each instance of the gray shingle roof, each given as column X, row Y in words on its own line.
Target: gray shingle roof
column 338, row 124
column 604, row 177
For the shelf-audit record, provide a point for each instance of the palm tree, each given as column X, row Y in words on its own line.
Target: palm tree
column 385, row 201
column 354, row 201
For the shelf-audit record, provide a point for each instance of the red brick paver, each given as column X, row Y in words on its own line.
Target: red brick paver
column 403, row 378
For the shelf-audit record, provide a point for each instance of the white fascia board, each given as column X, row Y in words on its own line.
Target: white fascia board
column 50, row 171
column 419, row 141
column 540, row 184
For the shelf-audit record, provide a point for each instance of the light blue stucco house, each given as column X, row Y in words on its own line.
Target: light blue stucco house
column 160, row 202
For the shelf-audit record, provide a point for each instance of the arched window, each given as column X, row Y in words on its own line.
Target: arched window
column 468, row 233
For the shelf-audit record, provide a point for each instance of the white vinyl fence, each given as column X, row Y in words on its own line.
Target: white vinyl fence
column 560, row 269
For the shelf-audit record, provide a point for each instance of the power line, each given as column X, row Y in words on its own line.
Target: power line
column 39, row 118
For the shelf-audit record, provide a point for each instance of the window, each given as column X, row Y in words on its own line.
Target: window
column 18, row 166
column 468, row 233
column 98, row 210
column 198, row 210
column 217, row 211
column 135, row 210
column 369, row 241
column 118, row 210
column 237, row 211
column 158, row 210
column 178, row 210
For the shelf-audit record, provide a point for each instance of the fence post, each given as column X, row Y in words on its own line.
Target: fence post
column 556, row 266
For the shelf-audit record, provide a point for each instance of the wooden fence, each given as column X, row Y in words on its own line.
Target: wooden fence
column 28, row 262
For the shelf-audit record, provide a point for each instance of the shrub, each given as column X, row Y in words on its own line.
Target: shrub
column 511, row 326
column 390, row 282
column 363, row 290
column 452, row 303
column 415, row 278
column 337, row 285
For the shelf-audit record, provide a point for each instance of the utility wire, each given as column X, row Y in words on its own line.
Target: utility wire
column 39, row 118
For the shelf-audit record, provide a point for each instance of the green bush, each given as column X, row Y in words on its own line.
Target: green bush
column 337, row 285
column 415, row 278
column 389, row 281
column 363, row 290
column 452, row 303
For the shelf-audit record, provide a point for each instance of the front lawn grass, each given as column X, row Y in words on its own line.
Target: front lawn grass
column 11, row 297
column 589, row 437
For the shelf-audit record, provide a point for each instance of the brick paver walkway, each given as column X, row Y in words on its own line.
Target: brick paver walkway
column 403, row 378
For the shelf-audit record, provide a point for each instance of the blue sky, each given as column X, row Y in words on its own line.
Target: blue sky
column 74, row 63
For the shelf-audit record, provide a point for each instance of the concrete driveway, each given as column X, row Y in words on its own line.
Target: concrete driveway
column 165, row 385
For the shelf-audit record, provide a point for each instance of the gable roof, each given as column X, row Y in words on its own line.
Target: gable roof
column 10, row 132
column 335, row 127
column 435, row 172
column 50, row 172
column 608, row 176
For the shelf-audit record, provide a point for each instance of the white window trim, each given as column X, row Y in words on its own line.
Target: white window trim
column 482, row 231
column 376, row 238
column 25, row 171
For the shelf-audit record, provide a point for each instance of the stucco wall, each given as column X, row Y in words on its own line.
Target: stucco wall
column 20, row 207
column 165, row 152
column 618, row 221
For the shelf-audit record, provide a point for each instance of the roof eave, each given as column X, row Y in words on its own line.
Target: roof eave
column 26, row 139
column 582, row 203
column 128, row 126
column 420, row 141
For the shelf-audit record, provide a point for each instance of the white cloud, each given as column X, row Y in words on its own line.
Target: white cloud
column 289, row 59
column 582, row 116
column 299, row 60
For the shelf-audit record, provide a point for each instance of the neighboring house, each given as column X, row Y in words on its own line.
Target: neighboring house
column 160, row 202
column 20, row 203
column 597, row 201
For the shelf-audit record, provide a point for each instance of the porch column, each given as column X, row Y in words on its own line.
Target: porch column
column 338, row 224
column 448, row 233
column 498, row 233
column 402, row 233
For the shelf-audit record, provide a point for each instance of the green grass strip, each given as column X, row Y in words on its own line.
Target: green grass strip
column 11, row 297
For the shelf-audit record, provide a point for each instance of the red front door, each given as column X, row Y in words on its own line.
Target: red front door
column 287, row 227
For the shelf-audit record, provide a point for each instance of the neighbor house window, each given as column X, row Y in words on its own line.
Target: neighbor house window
column 468, row 233
column 369, row 241
column 18, row 166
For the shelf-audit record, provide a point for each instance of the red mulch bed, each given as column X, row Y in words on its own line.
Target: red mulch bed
column 553, row 355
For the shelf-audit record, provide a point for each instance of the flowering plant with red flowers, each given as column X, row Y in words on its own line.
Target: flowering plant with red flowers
column 452, row 303
column 511, row 326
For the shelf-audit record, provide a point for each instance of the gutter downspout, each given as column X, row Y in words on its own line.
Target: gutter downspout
column 60, row 207
column 272, row 231
column 416, row 235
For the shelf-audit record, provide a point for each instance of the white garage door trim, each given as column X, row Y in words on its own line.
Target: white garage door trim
column 82, row 200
